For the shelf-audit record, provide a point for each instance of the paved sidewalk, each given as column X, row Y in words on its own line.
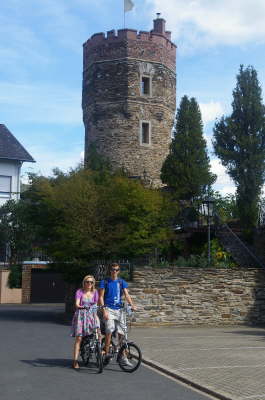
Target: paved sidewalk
column 229, row 361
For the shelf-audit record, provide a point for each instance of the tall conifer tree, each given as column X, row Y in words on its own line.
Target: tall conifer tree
column 239, row 142
column 187, row 167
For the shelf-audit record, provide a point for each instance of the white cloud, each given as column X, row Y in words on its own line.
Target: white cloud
column 34, row 35
column 203, row 23
column 40, row 103
column 227, row 190
column 82, row 155
column 224, row 183
column 210, row 111
column 63, row 24
column 20, row 47
column 48, row 158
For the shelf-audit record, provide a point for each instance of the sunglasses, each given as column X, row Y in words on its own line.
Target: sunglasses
column 115, row 269
column 89, row 281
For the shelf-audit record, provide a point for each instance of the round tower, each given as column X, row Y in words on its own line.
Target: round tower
column 129, row 98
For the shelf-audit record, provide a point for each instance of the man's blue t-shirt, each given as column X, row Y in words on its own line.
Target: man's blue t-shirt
column 113, row 292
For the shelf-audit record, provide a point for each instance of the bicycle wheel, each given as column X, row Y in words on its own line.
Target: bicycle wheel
column 99, row 358
column 129, row 357
column 85, row 350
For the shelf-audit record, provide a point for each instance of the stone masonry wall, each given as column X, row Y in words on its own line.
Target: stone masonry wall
column 114, row 107
column 26, row 283
column 189, row 296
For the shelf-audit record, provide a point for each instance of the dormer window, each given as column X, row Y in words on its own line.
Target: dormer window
column 145, row 86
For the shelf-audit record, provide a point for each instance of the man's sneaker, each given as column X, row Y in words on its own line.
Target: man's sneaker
column 124, row 361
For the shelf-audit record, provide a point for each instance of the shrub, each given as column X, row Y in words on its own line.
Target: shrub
column 15, row 277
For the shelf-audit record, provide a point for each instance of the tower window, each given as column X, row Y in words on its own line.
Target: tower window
column 145, row 86
column 145, row 133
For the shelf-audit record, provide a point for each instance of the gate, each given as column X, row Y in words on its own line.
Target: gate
column 47, row 287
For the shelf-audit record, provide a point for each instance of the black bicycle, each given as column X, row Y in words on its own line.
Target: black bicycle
column 127, row 354
column 90, row 348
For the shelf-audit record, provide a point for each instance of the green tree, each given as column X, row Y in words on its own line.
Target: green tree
column 96, row 161
column 82, row 217
column 187, row 167
column 239, row 142
column 225, row 206
column 15, row 277
column 17, row 230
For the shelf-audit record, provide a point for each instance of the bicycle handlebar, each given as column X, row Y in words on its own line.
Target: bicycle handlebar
column 91, row 309
column 94, row 308
column 127, row 308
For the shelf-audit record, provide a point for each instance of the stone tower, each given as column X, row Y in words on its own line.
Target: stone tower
column 129, row 98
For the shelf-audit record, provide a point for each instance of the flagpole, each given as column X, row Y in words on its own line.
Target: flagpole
column 123, row 14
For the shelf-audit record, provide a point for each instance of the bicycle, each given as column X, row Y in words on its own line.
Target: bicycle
column 91, row 345
column 127, row 349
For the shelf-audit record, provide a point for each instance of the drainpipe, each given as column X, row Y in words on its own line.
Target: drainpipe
column 18, row 179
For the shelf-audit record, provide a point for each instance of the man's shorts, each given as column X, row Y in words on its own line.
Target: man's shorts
column 116, row 321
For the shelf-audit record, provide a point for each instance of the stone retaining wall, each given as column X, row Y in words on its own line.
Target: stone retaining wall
column 191, row 296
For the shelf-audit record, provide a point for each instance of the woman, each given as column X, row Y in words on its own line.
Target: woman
column 84, row 322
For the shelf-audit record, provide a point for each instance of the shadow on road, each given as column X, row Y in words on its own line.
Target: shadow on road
column 49, row 362
column 34, row 314
column 63, row 363
column 249, row 332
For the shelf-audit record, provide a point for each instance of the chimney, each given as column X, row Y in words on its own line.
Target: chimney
column 159, row 25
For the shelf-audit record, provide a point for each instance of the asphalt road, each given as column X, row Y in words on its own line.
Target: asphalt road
column 36, row 348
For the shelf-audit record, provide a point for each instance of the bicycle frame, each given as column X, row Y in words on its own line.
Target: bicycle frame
column 128, row 350
column 91, row 344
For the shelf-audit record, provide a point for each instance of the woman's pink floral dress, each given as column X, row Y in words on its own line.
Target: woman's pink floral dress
column 84, row 322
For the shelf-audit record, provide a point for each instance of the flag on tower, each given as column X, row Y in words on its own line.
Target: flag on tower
column 128, row 5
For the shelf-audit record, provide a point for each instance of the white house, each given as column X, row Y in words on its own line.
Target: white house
column 12, row 156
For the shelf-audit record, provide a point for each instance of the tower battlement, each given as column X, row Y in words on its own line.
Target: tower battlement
column 154, row 45
column 130, row 34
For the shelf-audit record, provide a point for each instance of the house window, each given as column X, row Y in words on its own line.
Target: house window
column 145, row 86
column 5, row 186
column 145, row 133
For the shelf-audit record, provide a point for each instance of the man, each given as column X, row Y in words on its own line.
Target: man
column 111, row 291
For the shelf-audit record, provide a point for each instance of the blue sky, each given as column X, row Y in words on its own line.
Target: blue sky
column 41, row 64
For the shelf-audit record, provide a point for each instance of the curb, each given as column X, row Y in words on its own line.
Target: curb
column 173, row 374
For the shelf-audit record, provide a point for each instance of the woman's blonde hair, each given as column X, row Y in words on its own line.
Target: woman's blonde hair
column 94, row 282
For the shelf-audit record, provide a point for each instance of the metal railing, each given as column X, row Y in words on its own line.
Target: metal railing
column 243, row 247
column 102, row 266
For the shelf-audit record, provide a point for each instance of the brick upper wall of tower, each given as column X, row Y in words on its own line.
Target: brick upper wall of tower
column 153, row 46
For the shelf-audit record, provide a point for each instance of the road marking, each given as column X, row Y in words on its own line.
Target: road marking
column 256, row 396
column 222, row 367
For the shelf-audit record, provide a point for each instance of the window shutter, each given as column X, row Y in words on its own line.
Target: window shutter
column 5, row 184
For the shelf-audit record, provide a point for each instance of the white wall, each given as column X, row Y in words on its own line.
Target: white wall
column 11, row 168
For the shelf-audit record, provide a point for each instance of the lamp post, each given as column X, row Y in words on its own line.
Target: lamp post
column 209, row 204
